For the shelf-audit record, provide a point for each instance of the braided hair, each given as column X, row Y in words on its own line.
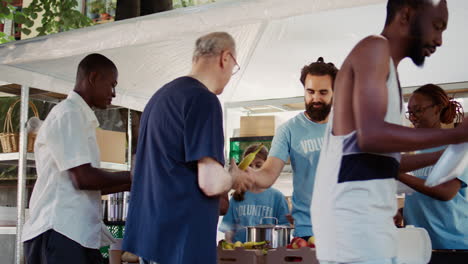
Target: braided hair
column 451, row 110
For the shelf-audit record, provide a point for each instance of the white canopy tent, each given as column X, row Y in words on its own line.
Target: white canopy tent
column 275, row 39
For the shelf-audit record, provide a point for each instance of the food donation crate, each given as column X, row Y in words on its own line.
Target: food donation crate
column 283, row 255
column 240, row 256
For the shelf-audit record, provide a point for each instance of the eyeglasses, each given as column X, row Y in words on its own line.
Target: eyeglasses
column 236, row 67
column 418, row 112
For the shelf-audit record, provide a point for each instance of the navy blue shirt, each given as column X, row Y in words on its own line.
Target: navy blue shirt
column 170, row 219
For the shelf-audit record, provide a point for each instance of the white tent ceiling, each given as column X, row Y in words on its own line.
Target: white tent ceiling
column 275, row 38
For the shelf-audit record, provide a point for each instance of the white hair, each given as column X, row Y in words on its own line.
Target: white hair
column 213, row 44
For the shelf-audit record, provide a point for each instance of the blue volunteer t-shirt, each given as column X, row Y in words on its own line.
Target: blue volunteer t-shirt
column 250, row 211
column 300, row 139
column 445, row 221
column 170, row 220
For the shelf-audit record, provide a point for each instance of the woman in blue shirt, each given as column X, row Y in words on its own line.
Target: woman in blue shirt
column 441, row 210
column 254, row 205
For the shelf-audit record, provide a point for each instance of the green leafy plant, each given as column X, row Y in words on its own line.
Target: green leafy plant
column 186, row 3
column 97, row 7
column 102, row 6
column 57, row 16
column 183, row 3
column 9, row 12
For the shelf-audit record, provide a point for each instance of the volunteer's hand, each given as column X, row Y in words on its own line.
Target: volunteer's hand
column 398, row 218
column 242, row 180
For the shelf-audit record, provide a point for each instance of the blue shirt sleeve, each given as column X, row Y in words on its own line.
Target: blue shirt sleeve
column 203, row 130
column 464, row 178
column 281, row 209
column 228, row 223
column 281, row 144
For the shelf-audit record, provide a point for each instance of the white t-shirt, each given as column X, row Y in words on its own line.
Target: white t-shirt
column 67, row 139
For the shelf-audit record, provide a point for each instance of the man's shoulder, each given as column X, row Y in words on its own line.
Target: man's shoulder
column 372, row 41
column 300, row 123
column 292, row 122
column 186, row 88
column 64, row 109
column 376, row 46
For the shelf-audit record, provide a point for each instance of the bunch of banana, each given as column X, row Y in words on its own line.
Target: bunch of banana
column 246, row 245
column 226, row 245
column 249, row 158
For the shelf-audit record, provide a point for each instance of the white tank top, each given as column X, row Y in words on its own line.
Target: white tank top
column 354, row 193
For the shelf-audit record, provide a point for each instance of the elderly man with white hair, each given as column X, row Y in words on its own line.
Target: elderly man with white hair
column 179, row 172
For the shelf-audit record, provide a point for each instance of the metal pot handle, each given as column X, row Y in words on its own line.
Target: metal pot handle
column 276, row 219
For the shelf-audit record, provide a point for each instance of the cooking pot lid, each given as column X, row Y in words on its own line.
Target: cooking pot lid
column 271, row 226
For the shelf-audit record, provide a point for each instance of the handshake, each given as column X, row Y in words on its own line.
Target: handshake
column 242, row 178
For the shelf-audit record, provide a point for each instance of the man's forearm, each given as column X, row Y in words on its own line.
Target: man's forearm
column 116, row 189
column 85, row 177
column 264, row 178
column 213, row 179
column 269, row 173
column 383, row 137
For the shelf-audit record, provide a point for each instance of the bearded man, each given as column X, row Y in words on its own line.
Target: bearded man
column 300, row 140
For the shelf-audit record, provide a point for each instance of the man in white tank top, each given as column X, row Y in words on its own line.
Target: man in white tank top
column 354, row 194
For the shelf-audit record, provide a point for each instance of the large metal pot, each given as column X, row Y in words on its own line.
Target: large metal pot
column 278, row 235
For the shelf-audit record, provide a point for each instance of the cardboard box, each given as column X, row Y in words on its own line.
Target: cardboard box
column 112, row 145
column 253, row 126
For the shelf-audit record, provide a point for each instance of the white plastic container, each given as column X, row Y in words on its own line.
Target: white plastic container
column 450, row 165
column 414, row 246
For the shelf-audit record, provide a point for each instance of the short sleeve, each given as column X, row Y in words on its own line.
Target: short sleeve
column 228, row 223
column 282, row 208
column 67, row 141
column 203, row 129
column 464, row 178
column 281, row 144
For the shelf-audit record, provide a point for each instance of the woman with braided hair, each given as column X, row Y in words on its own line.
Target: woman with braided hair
column 441, row 210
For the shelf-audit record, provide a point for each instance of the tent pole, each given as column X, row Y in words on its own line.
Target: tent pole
column 21, row 201
column 129, row 134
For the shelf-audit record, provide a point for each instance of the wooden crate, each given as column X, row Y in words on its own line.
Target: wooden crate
column 283, row 255
column 240, row 256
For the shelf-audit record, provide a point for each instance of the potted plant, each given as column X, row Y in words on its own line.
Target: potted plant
column 97, row 7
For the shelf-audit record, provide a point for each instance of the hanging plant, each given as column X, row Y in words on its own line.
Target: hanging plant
column 57, row 16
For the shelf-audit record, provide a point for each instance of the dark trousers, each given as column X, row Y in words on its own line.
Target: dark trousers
column 52, row 247
column 449, row 257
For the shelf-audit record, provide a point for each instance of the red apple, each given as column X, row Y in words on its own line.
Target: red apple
column 294, row 239
column 299, row 243
column 289, row 246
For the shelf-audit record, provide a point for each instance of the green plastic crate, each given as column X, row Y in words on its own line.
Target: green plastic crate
column 117, row 231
